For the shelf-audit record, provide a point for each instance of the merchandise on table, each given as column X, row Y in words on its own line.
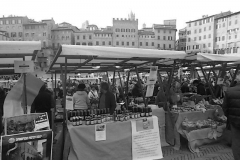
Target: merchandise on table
column 191, row 106
column 98, row 116
column 200, row 124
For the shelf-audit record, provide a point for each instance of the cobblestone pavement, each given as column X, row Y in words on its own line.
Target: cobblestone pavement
column 217, row 151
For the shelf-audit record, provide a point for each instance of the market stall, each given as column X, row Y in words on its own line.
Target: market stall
column 77, row 59
column 197, row 120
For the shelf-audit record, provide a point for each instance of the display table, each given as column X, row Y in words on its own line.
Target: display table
column 195, row 138
column 80, row 141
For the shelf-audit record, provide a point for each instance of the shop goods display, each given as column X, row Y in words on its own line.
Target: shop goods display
column 191, row 106
column 218, row 101
column 98, row 116
column 200, row 124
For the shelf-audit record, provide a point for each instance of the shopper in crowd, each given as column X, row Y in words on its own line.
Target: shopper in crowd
column 185, row 88
column 161, row 98
column 231, row 109
column 2, row 99
column 136, row 91
column 200, row 87
column 107, row 98
column 43, row 103
column 93, row 96
column 80, row 98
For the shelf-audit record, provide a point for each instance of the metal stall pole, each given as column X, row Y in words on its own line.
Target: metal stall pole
column 55, row 85
column 127, row 88
column 139, row 81
column 25, row 91
column 113, row 83
column 107, row 79
column 170, row 79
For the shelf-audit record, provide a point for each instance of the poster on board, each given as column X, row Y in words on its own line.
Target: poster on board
column 32, row 145
column 23, row 66
column 146, row 142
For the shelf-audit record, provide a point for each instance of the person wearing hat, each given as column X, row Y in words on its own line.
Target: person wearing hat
column 80, row 98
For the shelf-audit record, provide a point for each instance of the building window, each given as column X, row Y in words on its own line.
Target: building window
column 146, row 43
column 26, row 34
column 122, row 43
column 109, row 43
column 117, row 35
column 44, row 34
column 195, row 23
column 7, row 22
column 1, row 22
column 223, row 38
column 90, row 37
column 209, row 36
column 103, row 43
column 195, row 31
column 229, row 23
column 158, row 30
column 209, row 44
column 164, row 31
column 32, row 34
column 97, row 43
column 19, row 21
column 236, row 21
column 193, row 47
column 236, row 36
column 170, row 32
column 122, row 35
column 197, row 46
column 200, row 30
column 32, row 27
column 117, row 43
column 152, row 43
column 200, row 38
column 26, row 27
column 127, row 43
column 170, row 46
column 189, row 24
column 20, row 34
column 164, row 37
column 195, row 38
column 229, row 37
column 140, row 43
column 204, row 46
column 84, row 37
column 209, row 28
column 204, row 37
column 164, row 46
column 159, row 37
column 158, row 45
column 77, row 37
column 223, row 24
column 189, row 39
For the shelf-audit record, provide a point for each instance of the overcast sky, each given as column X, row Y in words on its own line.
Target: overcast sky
column 101, row 12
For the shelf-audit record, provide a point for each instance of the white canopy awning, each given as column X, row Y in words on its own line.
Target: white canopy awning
column 203, row 57
column 19, row 47
column 17, row 50
column 117, row 52
column 84, row 57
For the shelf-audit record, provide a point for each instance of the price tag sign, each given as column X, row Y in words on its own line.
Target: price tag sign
column 23, row 66
column 41, row 122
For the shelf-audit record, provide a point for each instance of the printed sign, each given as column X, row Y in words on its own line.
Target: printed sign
column 33, row 145
column 69, row 102
column 41, row 122
column 100, row 132
column 151, row 80
column 23, row 66
column 146, row 142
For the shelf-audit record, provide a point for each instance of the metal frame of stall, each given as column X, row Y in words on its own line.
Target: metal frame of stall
column 82, row 63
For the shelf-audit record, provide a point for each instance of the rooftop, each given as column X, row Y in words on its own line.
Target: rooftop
column 215, row 16
column 13, row 16
column 162, row 26
column 62, row 28
column 146, row 33
column 35, row 23
column 226, row 14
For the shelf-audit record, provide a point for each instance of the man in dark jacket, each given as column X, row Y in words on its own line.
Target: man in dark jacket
column 107, row 98
column 43, row 103
column 231, row 108
column 200, row 87
column 2, row 99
